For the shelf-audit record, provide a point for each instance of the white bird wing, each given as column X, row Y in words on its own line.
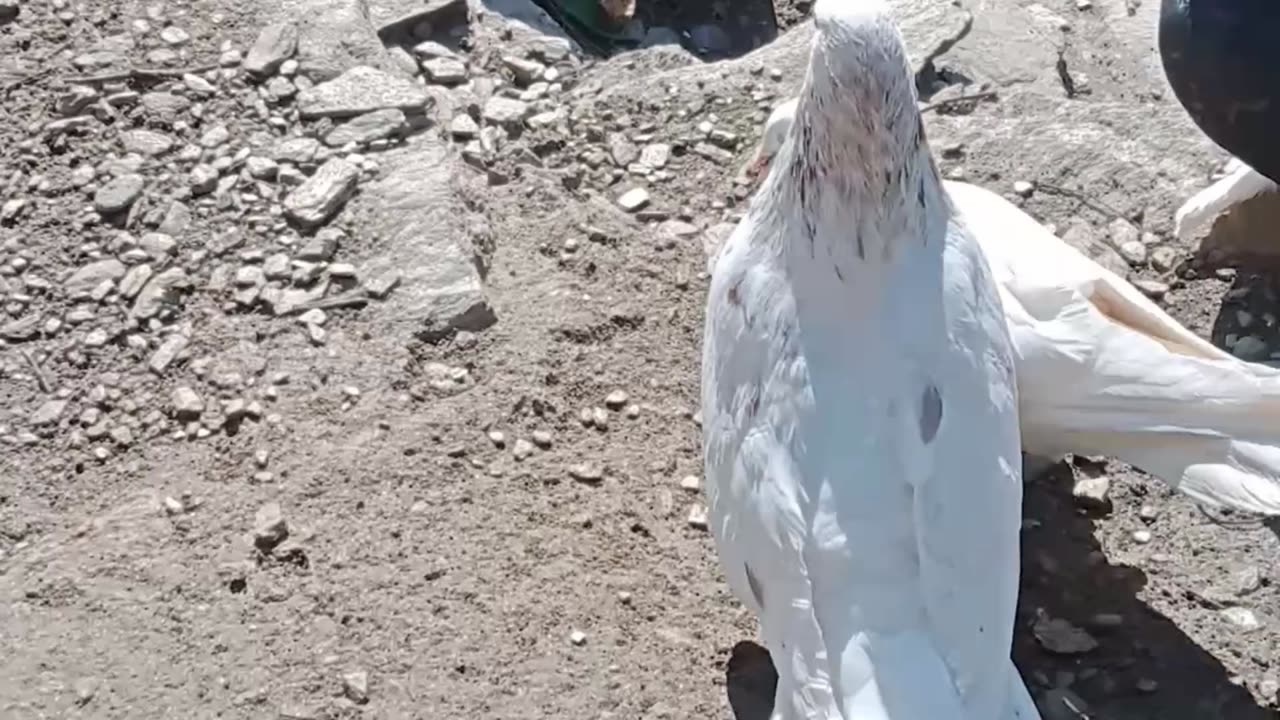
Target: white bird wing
column 1102, row 370
column 883, row 564
column 1239, row 184
column 754, row 491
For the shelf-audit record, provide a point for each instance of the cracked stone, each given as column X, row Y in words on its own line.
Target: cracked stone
column 146, row 142
column 366, row 128
column 134, row 281
column 323, row 194
column 360, row 90
column 445, row 71
column 505, row 111
column 92, row 275
column 275, row 44
column 161, row 291
column 269, row 527
column 169, row 350
column 118, row 194
column 203, row 179
column 299, row 151
column 187, row 403
column 463, row 127
column 48, row 413
column 634, row 199
column 158, row 245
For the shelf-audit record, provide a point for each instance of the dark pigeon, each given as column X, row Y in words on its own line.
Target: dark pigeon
column 1220, row 58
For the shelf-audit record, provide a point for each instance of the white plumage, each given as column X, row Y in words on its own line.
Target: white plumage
column 1238, row 183
column 1102, row 370
column 860, row 410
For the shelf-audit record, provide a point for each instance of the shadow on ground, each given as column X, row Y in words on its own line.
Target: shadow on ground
column 1144, row 667
column 710, row 30
column 1246, row 324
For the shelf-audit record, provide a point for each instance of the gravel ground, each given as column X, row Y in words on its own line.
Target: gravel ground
column 346, row 374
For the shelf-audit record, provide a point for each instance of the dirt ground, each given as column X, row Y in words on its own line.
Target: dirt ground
column 213, row 507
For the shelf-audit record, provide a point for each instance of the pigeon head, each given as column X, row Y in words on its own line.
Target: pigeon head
column 776, row 130
column 858, row 108
column 855, row 129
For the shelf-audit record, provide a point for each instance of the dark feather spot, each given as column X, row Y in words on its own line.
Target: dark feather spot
column 734, row 297
column 756, row 591
column 753, row 407
column 930, row 414
column 838, row 273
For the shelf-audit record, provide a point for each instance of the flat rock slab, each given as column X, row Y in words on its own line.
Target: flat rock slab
column 366, row 128
column 392, row 15
column 333, row 36
column 161, row 291
column 146, row 142
column 323, row 194
column 414, row 208
column 118, row 194
column 90, row 276
column 276, row 43
column 360, row 90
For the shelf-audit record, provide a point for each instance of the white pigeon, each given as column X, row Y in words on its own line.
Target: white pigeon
column 1238, row 183
column 1102, row 370
column 860, row 410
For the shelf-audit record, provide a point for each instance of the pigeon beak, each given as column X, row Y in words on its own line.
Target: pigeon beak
column 755, row 168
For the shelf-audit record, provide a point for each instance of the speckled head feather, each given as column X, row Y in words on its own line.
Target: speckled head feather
column 856, row 152
column 860, row 81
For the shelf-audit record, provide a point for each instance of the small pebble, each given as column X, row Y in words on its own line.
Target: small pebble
column 1061, row 637
column 698, row 517
column 616, row 400
column 1241, row 617
column 175, row 35
column 586, row 473
column 355, row 685
column 577, row 637
column 634, row 199
column 1142, row 537
column 1153, row 289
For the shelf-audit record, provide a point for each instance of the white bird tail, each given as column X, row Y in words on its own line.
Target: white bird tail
column 1102, row 370
column 1109, row 380
column 1209, row 428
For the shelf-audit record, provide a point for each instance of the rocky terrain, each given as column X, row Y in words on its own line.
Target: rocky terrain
column 349, row 354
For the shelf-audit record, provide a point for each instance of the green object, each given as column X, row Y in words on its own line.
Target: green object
column 587, row 24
